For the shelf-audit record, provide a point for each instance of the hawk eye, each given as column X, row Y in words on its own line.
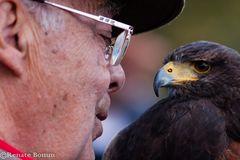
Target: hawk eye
column 202, row 67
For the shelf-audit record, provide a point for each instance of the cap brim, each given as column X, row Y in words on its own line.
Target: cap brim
column 148, row 14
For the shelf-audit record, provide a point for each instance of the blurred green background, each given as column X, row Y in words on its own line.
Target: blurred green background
column 214, row 20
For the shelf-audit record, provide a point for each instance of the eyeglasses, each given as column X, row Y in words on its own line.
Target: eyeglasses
column 116, row 51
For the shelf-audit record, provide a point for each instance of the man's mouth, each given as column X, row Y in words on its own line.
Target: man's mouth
column 102, row 116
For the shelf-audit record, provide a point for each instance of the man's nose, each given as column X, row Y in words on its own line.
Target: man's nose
column 117, row 78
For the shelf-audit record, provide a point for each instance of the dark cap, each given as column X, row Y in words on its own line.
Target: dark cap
column 146, row 15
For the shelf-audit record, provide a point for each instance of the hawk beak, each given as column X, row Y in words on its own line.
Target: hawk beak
column 162, row 79
column 173, row 74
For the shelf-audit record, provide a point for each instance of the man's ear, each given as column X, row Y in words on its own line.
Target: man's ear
column 11, row 26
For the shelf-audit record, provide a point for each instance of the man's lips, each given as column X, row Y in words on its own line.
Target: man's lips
column 102, row 108
column 102, row 116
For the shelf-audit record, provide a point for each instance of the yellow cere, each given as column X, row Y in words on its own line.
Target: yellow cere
column 180, row 72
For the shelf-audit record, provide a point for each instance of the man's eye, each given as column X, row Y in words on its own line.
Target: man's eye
column 107, row 40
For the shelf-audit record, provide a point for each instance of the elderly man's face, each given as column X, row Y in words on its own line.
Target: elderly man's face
column 56, row 104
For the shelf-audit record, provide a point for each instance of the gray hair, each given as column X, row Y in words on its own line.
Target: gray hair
column 47, row 19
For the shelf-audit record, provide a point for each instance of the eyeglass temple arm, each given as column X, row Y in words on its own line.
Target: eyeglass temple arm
column 97, row 18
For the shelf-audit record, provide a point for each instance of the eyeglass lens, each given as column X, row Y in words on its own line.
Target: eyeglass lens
column 119, row 48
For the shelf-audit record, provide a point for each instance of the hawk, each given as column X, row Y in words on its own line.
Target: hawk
column 200, row 117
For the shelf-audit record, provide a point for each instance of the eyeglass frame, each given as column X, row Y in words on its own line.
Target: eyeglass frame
column 127, row 28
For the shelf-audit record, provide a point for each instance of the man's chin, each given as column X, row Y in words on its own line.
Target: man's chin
column 87, row 153
column 98, row 129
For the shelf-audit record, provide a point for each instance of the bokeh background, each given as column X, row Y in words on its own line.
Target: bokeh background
column 211, row 20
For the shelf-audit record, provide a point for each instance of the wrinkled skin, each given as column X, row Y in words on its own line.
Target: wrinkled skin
column 55, row 84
